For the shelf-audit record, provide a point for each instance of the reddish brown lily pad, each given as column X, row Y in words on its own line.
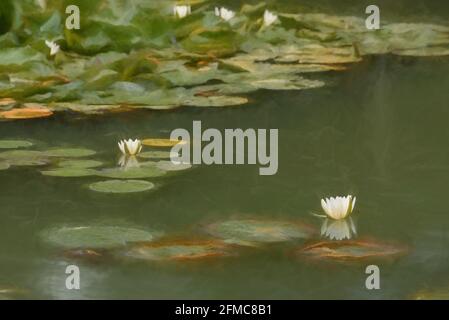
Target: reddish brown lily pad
column 7, row 102
column 177, row 250
column 352, row 250
column 29, row 112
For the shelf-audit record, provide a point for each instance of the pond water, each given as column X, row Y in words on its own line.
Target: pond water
column 377, row 130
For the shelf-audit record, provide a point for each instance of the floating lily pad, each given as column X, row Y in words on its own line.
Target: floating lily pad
column 4, row 165
column 69, row 153
column 121, row 186
column 170, row 166
column 141, row 172
column 155, row 155
column 69, row 172
column 93, row 237
column 14, row 144
column 250, row 232
column 6, row 102
column 80, row 164
column 351, row 250
column 216, row 101
column 26, row 113
column 177, row 250
column 162, row 142
column 24, row 158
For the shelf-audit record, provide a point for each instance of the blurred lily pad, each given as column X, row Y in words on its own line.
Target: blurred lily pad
column 14, row 144
column 69, row 152
column 121, row 186
column 4, row 165
column 80, row 164
column 69, row 172
column 168, row 143
column 96, row 236
column 177, row 250
column 216, row 101
column 26, row 113
column 351, row 250
column 251, row 232
column 24, row 158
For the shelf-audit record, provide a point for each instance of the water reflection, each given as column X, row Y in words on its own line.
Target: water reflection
column 128, row 162
column 338, row 229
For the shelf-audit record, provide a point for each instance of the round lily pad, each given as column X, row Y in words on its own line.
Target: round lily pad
column 168, row 143
column 351, row 250
column 177, row 250
column 24, row 158
column 155, row 155
column 95, row 236
column 250, row 232
column 4, row 165
column 26, row 113
column 69, row 153
column 69, row 172
column 121, row 186
column 80, row 164
column 14, row 144
column 141, row 172
column 170, row 166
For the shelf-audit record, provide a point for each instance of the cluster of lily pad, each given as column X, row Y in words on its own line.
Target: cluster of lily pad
column 127, row 177
column 138, row 54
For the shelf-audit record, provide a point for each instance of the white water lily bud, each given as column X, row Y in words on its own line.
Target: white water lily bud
column 130, row 147
column 224, row 13
column 269, row 18
column 339, row 207
column 182, row 11
column 54, row 47
column 42, row 3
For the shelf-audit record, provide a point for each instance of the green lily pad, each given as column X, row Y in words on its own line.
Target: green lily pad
column 80, row 164
column 177, row 250
column 69, row 172
column 4, row 165
column 24, row 158
column 96, row 236
column 14, row 144
column 351, row 250
column 250, row 232
column 121, row 186
column 70, row 153
column 142, row 172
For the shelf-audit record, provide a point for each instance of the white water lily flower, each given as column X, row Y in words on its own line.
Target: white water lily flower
column 130, row 147
column 54, row 47
column 269, row 18
column 182, row 11
column 42, row 3
column 339, row 207
column 338, row 229
column 224, row 13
